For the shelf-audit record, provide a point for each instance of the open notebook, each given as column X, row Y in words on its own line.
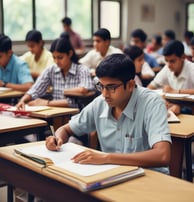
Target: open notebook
column 30, row 108
column 85, row 177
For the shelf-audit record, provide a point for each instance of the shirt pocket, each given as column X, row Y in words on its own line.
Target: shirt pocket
column 133, row 144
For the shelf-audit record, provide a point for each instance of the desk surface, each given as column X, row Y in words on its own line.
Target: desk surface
column 11, row 94
column 184, row 129
column 55, row 112
column 153, row 186
column 9, row 123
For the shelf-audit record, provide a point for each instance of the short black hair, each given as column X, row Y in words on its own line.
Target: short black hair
column 173, row 47
column 133, row 52
column 5, row 43
column 139, row 33
column 117, row 66
column 192, row 41
column 188, row 34
column 66, row 21
column 170, row 34
column 103, row 33
column 34, row 35
column 158, row 39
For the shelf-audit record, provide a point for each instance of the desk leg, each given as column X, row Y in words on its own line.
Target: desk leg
column 177, row 151
column 188, row 159
column 10, row 189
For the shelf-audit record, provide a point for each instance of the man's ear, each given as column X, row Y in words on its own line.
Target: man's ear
column 9, row 53
column 130, row 84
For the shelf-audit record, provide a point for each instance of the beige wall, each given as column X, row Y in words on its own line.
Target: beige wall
column 167, row 14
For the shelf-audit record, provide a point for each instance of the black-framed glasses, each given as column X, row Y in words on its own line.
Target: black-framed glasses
column 110, row 88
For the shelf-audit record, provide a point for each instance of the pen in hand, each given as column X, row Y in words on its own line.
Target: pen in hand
column 55, row 141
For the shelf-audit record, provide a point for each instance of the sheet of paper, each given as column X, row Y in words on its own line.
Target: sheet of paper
column 62, row 159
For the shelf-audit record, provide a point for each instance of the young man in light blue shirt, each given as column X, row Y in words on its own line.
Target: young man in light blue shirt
column 131, row 121
column 14, row 73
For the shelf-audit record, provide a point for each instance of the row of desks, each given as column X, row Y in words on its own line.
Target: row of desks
column 181, row 137
column 181, row 133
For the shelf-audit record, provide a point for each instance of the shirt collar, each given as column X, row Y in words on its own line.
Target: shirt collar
column 10, row 63
column 72, row 69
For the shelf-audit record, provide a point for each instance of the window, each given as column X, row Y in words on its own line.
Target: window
column 17, row 18
column 48, row 17
column 81, row 14
column 110, row 17
column 190, row 17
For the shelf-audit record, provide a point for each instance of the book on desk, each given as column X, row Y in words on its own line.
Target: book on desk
column 28, row 109
column 172, row 118
column 85, row 177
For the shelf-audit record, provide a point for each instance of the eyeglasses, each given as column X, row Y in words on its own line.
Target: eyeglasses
column 110, row 88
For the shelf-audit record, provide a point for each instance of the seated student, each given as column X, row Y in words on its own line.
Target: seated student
column 138, row 38
column 75, row 38
column 154, row 49
column 177, row 75
column 66, row 77
column 143, row 70
column 14, row 72
column 38, row 57
column 192, row 49
column 186, row 43
column 131, row 121
column 102, row 48
column 167, row 36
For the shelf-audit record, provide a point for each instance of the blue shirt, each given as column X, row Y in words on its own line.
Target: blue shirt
column 16, row 71
column 78, row 76
column 151, row 60
column 142, row 123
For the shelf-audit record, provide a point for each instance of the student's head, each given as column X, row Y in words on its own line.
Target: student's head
column 174, row 55
column 5, row 50
column 168, row 36
column 138, row 38
column 137, row 56
column 66, row 21
column 101, row 40
column 63, row 52
column 187, row 36
column 34, row 41
column 116, row 79
column 192, row 46
column 156, row 42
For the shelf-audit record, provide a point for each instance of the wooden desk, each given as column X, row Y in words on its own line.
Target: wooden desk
column 153, row 186
column 182, row 134
column 11, row 97
column 56, row 116
column 13, row 127
column 11, row 94
column 182, row 101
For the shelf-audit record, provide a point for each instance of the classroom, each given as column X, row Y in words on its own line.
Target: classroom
column 96, row 100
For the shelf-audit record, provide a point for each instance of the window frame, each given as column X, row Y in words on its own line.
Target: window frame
column 120, row 9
